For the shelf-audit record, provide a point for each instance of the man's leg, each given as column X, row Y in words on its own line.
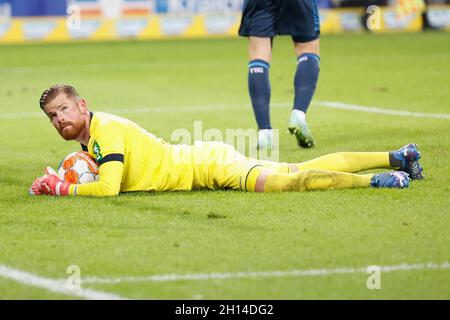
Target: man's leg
column 339, row 161
column 310, row 180
column 404, row 159
column 350, row 161
column 318, row 174
column 305, row 82
column 260, row 56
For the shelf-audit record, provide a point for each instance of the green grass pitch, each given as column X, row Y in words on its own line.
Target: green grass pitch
column 145, row 234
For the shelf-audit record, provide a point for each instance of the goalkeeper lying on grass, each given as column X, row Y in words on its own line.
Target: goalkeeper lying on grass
column 131, row 159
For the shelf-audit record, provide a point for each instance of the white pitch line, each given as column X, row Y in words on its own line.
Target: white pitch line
column 211, row 108
column 263, row 274
column 401, row 113
column 58, row 286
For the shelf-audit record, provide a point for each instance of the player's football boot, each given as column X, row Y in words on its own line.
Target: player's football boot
column 297, row 126
column 409, row 155
column 265, row 138
column 394, row 179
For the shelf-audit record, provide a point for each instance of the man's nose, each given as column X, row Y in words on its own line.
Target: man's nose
column 60, row 116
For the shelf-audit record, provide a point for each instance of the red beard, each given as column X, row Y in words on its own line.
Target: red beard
column 71, row 130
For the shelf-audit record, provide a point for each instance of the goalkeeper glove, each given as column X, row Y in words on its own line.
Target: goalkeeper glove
column 52, row 185
column 35, row 189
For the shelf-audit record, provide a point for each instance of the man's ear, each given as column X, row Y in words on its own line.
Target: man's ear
column 83, row 106
column 45, row 111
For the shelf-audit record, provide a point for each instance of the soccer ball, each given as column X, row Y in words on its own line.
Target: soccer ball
column 78, row 167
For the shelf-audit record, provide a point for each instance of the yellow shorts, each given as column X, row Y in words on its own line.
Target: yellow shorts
column 218, row 165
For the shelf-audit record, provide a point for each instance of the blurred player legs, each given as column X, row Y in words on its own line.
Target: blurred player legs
column 261, row 21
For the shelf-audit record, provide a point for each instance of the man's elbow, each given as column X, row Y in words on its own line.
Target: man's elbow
column 107, row 190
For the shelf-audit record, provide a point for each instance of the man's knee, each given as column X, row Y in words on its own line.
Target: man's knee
column 315, row 180
column 260, row 48
column 307, row 47
column 261, row 180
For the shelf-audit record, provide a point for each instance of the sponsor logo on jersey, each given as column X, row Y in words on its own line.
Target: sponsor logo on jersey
column 97, row 152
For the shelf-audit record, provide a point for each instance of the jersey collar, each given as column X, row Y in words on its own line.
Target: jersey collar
column 83, row 147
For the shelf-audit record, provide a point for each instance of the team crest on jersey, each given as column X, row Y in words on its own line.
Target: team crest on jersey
column 98, row 154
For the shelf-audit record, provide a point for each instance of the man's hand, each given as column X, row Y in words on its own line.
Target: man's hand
column 35, row 189
column 50, row 184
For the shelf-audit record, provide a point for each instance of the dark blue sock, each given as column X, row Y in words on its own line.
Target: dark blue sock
column 305, row 80
column 259, row 89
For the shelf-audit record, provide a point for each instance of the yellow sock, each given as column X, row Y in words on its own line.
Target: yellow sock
column 347, row 162
column 315, row 180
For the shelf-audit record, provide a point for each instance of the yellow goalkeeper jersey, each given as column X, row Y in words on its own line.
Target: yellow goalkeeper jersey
column 132, row 159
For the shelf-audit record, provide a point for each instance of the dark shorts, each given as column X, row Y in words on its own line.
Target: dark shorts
column 268, row 18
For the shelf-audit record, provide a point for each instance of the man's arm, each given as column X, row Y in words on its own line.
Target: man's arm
column 108, row 185
column 110, row 174
column 108, row 147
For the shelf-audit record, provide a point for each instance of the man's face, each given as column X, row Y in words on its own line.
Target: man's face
column 67, row 115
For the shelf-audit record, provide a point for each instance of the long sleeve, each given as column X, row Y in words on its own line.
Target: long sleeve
column 110, row 174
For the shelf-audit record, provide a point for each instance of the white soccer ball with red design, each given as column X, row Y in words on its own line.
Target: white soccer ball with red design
column 78, row 167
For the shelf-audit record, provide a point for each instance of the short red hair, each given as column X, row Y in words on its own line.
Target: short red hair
column 51, row 93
